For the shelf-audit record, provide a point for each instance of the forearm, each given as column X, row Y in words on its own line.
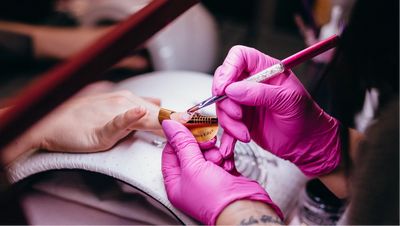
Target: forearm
column 53, row 42
column 20, row 146
column 14, row 150
column 247, row 212
column 337, row 180
column 63, row 43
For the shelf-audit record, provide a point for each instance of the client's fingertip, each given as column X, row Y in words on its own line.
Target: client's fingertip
column 131, row 116
column 186, row 116
column 182, row 117
column 139, row 109
column 135, row 114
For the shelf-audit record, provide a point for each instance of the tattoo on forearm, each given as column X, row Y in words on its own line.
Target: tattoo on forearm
column 266, row 219
column 249, row 222
column 263, row 219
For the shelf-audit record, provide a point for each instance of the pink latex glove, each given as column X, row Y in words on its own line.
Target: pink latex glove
column 199, row 187
column 211, row 152
column 279, row 114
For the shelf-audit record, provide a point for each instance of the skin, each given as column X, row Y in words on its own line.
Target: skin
column 92, row 120
column 247, row 212
column 62, row 43
column 337, row 180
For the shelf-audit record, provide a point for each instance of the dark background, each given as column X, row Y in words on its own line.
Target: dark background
column 266, row 25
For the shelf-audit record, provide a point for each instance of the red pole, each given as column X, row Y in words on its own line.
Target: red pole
column 57, row 85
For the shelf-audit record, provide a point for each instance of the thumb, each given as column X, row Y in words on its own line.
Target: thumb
column 183, row 142
column 170, row 168
column 118, row 127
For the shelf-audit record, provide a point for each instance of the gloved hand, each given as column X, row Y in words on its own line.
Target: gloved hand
column 211, row 152
column 279, row 114
column 199, row 187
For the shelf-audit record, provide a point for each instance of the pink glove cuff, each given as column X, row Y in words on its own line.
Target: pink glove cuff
column 327, row 158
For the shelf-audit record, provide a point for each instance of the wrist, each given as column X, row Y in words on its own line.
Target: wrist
column 338, row 179
column 16, row 149
column 22, row 145
column 244, row 212
column 324, row 153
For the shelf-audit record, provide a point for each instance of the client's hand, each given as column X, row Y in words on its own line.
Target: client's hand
column 197, row 186
column 279, row 115
column 94, row 122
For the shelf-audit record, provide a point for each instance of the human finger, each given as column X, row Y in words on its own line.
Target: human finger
column 227, row 145
column 208, row 144
column 285, row 88
column 231, row 108
column 229, row 163
column 213, row 155
column 170, row 167
column 156, row 101
column 181, row 117
column 235, row 128
column 183, row 142
column 120, row 126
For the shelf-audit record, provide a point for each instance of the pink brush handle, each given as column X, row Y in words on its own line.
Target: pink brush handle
column 310, row 52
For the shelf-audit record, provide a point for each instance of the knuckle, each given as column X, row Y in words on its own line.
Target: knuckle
column 120, row 100
column 237, row 48
column 127, row 93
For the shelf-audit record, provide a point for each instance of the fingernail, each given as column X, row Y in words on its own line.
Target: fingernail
column 186, row 116
column 139, row 109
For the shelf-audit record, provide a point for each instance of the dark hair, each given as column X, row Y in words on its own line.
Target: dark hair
column 26, row 11
column 368, row 56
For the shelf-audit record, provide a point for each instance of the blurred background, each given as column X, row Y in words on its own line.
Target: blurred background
column 40, row 34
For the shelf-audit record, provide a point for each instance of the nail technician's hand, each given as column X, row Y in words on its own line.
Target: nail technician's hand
column 210, row 151
column 199, row 187
column 279, row 115
column 95, row 122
